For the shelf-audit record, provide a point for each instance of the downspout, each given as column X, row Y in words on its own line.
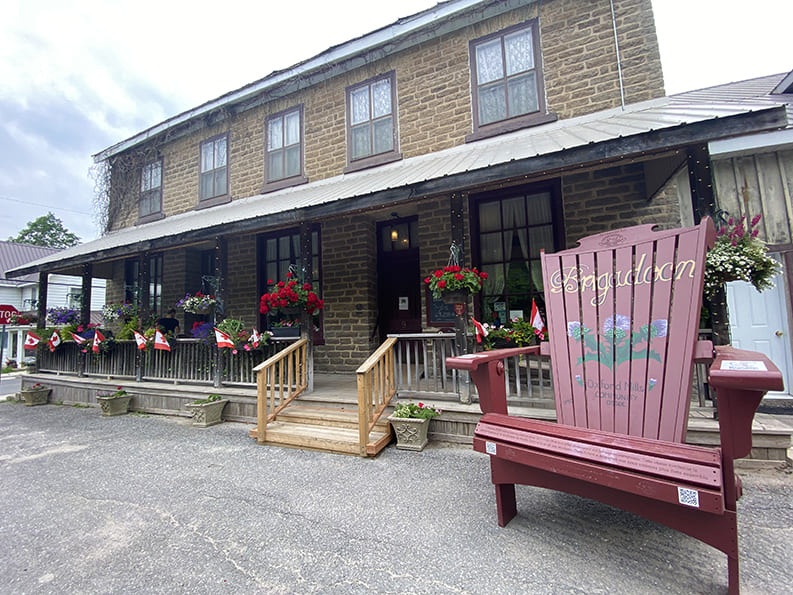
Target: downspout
column 619, row 58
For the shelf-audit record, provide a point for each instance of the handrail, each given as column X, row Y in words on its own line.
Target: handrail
column 376, row 388
column 274, row 394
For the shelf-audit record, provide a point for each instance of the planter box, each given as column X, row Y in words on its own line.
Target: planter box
column 283, row 332
column 411, row 432
column 114, row 405
column 37, row 396
column 207, row 414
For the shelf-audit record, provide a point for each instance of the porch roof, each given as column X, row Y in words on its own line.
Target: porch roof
column 639, row 131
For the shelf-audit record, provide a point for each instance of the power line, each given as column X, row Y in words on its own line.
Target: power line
column 38, row 204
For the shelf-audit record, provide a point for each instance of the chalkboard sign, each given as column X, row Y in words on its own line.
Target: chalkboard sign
column 439, row 313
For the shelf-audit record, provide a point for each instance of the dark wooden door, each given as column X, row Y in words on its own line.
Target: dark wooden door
column 398, row 279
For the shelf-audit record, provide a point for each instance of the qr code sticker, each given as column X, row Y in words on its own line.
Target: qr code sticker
column 490, row 448
column 688, row 497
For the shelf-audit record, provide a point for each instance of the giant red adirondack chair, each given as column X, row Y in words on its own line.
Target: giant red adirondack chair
column 623, row 314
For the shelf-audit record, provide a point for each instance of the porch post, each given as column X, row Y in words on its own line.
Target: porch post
column 704, row 203
column 41, row 308
column 307, row 320
column 144, row 279
column 456, row 209
column 220, row 308
column 85, row 296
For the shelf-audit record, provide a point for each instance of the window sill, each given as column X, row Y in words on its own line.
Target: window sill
column 505, row 126
column 368, row 162
column 149, row 218
column 285, row 183
column 213, row 202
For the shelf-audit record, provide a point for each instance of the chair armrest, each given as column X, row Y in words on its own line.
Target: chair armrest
column 740, row 379
column 487, row 372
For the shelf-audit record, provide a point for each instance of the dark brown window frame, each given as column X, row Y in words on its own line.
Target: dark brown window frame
column 217, row 199
column 153, row 215
column 285, row 182
column 377, row 158
column 540, row 116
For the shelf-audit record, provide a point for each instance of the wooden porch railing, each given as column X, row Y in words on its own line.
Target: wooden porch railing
column 189, row 362
column 280, row 379
column 376, row 388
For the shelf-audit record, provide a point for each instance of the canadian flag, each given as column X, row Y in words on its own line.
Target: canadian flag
column 98, row 338
column 140, row 340
column 54, row 341
column 160, row 342
column 536, row 319
column 78, row 339
column 481, row 331
column 31, row 341
column 222, row 339
column 255, row 338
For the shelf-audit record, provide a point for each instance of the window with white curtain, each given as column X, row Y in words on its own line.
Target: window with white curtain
column 371, row 121
column 506, row 76
column 284, row 145
column 214, row 179
column 512, row 230
column 150, row 201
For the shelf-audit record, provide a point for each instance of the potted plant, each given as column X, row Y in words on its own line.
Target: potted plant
column 207, row 412
column 199, row 303
column 739, row 255
column 36, row 394
column 453, row 284
column 116, row 403
column 290, row 297
column 411, row 422
column 285, row 328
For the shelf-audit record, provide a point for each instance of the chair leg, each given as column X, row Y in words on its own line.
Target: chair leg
column 733, row 578
column 506, row 506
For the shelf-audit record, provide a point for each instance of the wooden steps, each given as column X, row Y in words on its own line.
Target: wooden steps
column 327, row 429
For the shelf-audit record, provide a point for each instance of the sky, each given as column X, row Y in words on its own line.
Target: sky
column 78, row 76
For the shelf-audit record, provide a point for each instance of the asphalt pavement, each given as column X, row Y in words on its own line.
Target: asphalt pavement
column 149, row 504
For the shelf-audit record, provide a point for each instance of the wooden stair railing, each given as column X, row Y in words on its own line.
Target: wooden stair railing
column 279, row 380
column 376, row 388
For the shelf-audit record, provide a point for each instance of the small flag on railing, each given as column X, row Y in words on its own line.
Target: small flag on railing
column 160, row 342
column 98, row 338
column 78, row 339
column 140, row 340
column 222, row 339
column 54, row 341
column 481, row 331
column 31, row 341
column 536, row 319
column 255, row 338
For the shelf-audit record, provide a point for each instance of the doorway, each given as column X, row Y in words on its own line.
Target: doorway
column 398, row 277
column 758, row 322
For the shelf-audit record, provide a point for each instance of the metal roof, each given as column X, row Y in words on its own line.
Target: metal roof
column 638, row 129
column 13, row 255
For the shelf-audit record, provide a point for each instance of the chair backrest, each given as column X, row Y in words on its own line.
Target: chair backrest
column 623, row 314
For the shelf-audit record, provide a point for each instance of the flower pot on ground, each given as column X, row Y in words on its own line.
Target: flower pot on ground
column 207, row 412
column 36, row 394
column 116, row 403
column 411, row 423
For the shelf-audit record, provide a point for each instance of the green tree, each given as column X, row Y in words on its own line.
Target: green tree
column 47, row 231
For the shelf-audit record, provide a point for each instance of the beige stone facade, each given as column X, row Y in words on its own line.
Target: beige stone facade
column 434, row 112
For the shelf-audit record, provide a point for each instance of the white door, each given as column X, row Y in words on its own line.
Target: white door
column 758, row 321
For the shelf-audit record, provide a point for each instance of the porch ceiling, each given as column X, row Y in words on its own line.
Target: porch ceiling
column 640, row 131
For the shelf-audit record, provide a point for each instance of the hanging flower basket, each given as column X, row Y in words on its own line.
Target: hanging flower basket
column 455, row 282
column 739, row 255
column 290, row 297
column 199, row 303
column 455, row 297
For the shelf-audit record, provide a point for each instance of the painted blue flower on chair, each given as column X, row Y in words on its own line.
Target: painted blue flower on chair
column 617, row 343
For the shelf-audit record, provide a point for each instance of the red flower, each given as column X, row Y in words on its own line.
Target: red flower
column 441, row 284
column 438, row 274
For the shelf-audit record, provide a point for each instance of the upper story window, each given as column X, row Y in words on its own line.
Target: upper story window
column 214, row 178
column 371, row 122
column 150, row 203
column 284, row 150
column 506, row 80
